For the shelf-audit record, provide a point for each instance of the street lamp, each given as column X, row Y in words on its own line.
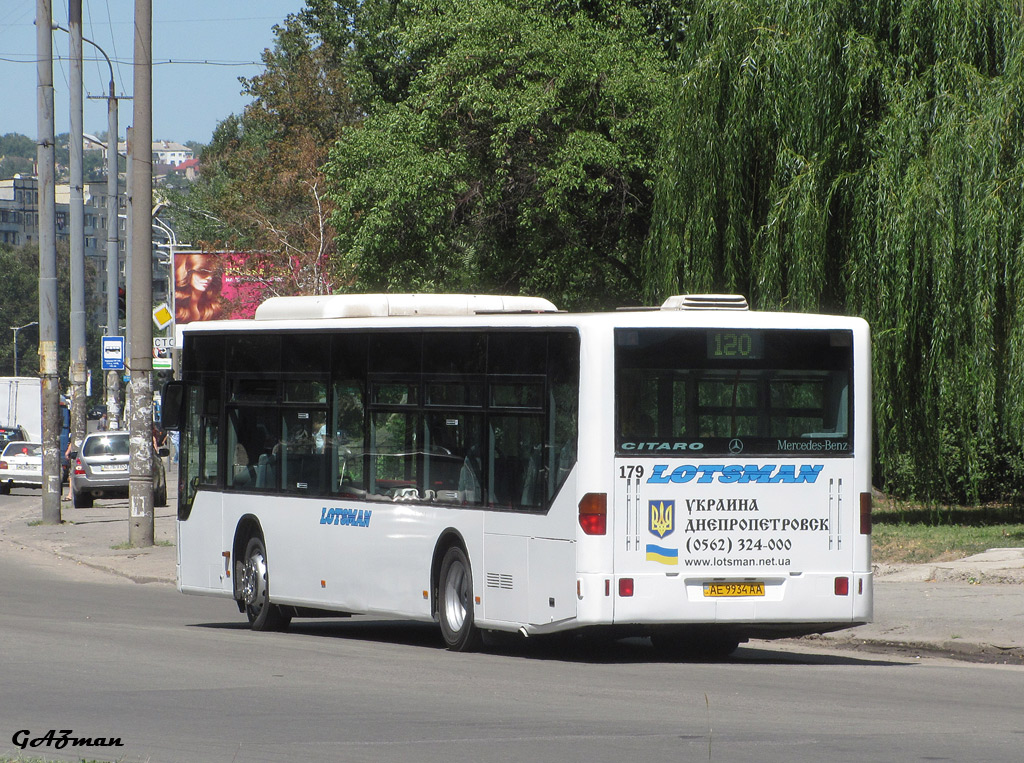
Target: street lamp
column 111, row 146
column 112, row 383
column 16, row 329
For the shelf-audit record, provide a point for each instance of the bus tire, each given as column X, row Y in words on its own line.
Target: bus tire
column 455, row 602
column 255, row 589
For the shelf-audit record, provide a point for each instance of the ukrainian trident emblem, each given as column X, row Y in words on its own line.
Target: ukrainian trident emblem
column 661, row 517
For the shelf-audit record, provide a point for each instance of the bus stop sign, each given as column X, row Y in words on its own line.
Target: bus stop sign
column 113, row 353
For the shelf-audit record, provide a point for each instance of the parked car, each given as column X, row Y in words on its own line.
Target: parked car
column 12, row 433
column 21, row 465
column 95, row 412
column 100, row 470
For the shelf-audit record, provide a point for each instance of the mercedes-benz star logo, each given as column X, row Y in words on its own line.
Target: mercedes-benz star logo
column 735, row 445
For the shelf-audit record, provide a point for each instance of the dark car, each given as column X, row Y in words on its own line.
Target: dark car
column 95, row 412
column 12, row 433
column 100, row 470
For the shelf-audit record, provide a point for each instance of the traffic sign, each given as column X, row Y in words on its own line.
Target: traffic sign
column 162, row 316
column 113, row 353
column 162, row 347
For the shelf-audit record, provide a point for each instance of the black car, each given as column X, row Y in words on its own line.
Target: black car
column 95, row 412
column 12, row 433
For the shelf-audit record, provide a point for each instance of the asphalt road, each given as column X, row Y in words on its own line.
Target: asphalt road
column 180, row 678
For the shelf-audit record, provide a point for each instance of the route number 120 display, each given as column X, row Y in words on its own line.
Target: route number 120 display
column 735, row 345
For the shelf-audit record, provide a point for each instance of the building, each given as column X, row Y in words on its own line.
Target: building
column 165, row 154
column 19, row 225
column 19, row 214
column 170, row 154
column 188, row 169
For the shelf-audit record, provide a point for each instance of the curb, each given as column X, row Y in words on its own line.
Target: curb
column 962, row 651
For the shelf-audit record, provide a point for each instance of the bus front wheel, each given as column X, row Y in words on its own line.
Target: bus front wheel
column 455, row 606
column 255, row 589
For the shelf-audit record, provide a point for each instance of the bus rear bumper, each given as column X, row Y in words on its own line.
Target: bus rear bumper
column 789, row 604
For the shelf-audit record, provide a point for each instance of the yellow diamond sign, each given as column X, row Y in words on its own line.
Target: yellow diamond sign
column 162, row 316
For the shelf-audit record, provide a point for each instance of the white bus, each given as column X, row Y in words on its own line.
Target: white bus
column 698, row 473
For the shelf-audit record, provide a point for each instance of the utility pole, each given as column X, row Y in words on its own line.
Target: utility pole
column 77, row 219
column 140, row 289
column 113, row 328
column 45, row 156
column 113, row 255
column 129, row 142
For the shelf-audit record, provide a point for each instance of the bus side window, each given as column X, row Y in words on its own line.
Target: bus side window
column 300, row 459
column 346, row 442
column 251, row 436
column 190, row 450
column 451, row 457
column 209, row 429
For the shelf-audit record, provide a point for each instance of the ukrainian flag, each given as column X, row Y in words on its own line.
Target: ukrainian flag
column 662, row 554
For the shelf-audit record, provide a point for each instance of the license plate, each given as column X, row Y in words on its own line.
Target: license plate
column 114, row 467
column 23, row 466
column 734, row 589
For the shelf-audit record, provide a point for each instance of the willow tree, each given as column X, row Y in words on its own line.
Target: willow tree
column 865, row 156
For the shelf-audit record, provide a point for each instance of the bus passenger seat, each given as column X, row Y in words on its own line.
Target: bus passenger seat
column 266, row 475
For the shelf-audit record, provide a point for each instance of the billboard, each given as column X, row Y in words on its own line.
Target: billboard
column 210, row 286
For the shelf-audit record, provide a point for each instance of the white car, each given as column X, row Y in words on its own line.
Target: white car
column 21, row 465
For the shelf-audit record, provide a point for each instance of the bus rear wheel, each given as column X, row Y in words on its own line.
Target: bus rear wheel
column 455, row 604
column 255, row 589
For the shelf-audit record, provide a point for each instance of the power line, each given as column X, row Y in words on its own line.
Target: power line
column 169, row 62
column 113, row 38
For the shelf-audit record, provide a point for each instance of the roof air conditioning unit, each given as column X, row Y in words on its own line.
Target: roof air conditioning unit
column 706, row 302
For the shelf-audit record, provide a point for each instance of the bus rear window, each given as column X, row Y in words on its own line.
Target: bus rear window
column 694, row 392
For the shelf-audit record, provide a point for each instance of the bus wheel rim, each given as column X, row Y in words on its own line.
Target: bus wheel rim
column 455, row 597
column 254, row 582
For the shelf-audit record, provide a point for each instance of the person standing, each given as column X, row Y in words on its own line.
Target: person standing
column 66, row 445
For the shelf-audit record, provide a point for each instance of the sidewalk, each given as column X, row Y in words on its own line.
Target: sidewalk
column 96, row 537
column 969, row 609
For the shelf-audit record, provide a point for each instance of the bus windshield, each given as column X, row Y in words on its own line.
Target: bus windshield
column 717, row 391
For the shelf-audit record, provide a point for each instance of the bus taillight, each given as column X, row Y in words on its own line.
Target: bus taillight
column 594, row 513
column 865, row 513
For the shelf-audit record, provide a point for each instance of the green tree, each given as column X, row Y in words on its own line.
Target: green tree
column 19, row 305
column 866, row 157
column 261, row 189
column 508, row 148
column 17, row 155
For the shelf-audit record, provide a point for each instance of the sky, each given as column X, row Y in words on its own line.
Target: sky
column 200, row 49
